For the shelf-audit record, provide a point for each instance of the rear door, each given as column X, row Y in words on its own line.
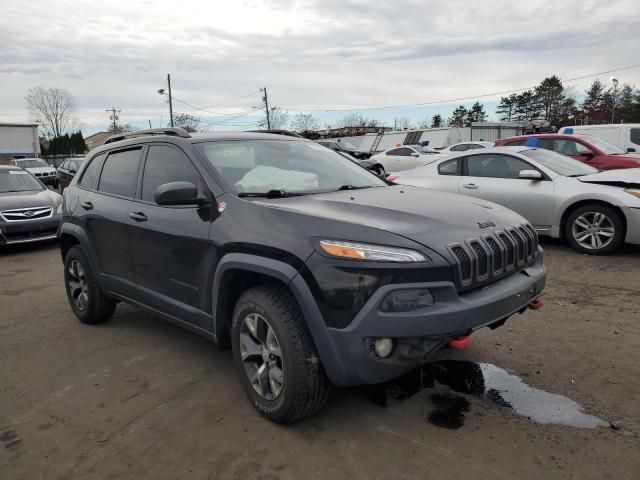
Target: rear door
column 494, row 177
column 103, row 212
column 172, row 256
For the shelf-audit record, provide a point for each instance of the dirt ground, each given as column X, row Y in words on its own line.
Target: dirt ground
column 139, row 398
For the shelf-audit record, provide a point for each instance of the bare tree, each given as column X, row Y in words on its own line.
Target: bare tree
column 187, row 121
column 53, row 109
column 277, row 117
column 403, row 123
column 304, row 122
column 357, row 120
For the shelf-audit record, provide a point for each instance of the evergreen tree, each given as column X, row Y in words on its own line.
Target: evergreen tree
column 458, row 117
column 506, row 108
column 436, row 121
column 527, row 106
column 593, row 99
column 476, row 114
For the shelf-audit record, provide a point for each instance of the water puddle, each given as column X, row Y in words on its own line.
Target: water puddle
column 490, row 383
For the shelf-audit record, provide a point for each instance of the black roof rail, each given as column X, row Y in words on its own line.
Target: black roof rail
column 172, row 131
column 287, row 133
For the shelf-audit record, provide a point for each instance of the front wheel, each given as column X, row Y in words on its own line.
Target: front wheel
column 275, row 357
column 595, row 229
column 379, row 170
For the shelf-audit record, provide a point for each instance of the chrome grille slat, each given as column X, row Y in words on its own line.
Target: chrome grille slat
column 480, row 260
column 26, row 214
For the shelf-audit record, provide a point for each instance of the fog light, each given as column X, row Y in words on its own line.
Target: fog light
column 406, row 300
column 383, row 347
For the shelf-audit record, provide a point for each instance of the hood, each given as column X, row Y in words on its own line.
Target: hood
column 429, row 217
column 43, row 198
column 624, row 177
column 40, row 169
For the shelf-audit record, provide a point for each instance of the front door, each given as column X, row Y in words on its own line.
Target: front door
column 494, row 177
column 172, row 256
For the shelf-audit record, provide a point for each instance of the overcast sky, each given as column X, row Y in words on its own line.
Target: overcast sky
column 310, row 54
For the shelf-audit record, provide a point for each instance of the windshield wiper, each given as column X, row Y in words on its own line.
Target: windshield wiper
column 351, row 187
column 270, row 194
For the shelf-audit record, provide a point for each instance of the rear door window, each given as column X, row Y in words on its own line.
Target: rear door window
column 88, row 179
column 120, row 173
column 635, row 135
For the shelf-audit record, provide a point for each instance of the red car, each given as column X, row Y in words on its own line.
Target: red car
column 586, row 148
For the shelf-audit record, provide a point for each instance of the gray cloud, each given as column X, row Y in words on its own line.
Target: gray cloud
column 315, row 54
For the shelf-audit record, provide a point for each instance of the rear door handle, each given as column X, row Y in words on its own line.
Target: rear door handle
column 138, row 216
column 470, row 186
column 87, row 205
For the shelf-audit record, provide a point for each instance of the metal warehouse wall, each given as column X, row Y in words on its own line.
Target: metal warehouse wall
column 19, row 140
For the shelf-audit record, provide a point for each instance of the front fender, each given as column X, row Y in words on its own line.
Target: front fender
column 288, row 275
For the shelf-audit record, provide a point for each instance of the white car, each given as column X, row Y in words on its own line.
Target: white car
column 464, row 146
column 404, row 157
column 595, row 211
column 39, row 168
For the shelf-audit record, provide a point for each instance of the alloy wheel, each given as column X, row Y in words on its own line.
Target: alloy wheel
column 593, row 230
column 78, row 285
column 261, row 356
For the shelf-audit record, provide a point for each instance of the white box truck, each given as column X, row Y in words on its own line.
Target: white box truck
column 623, row 135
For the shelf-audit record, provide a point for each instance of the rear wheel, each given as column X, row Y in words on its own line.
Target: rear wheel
column 595, row 229
column 86, row 298
column 275, row 357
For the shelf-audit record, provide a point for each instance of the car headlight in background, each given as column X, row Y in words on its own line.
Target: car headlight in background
column 370, row 252
column 633, row 191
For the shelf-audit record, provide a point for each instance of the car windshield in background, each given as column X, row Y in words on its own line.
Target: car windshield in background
column 347, row 145
column 606, row 147
column 32, row 163
column 75, row 164
column 559, row 163
column 291, row 167
column 18, row 181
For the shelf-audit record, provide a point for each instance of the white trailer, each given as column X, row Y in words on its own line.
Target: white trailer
column 19, row 140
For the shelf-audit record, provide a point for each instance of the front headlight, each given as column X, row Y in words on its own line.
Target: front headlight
column 59, row 209
column 370, row 252
column 633, row 191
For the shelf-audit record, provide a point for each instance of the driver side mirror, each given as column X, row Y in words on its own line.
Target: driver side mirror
column 178, row 193
column 72, row 171
column 586, row 153
column 631, row 150
column 530, row 175
column 415, row 154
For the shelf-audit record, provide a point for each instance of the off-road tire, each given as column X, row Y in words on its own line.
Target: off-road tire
column 99, row 308
column 305, row 388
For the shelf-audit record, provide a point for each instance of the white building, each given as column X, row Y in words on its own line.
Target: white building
column 19, row 140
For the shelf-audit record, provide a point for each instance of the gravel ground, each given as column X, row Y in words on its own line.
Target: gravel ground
column 139, row 398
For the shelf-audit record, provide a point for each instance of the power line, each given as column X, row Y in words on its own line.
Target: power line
column 202, row 109
column 114, row 116
column 452, row 100
column 232, row 100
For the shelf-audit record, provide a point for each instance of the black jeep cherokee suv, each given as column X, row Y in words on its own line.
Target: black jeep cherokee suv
column 314, row 270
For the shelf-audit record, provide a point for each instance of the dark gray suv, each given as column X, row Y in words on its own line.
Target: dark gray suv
column 312, row 269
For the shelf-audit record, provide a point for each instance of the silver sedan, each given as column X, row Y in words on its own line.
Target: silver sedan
column 561, row 197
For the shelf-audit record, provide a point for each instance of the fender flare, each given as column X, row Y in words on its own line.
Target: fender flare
column 81, row 236
column 303, row 296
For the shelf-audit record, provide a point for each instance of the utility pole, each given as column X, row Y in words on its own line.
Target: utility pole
column 265, row 99
column 113, row 116
column 170, row 100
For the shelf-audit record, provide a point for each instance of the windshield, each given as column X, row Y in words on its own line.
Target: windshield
column 17, row 181
column 606, row 147
column 293, row 167
column 32, row 163
column 347, row 145
column 560, row 164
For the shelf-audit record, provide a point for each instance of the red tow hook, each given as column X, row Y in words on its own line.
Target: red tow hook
column 460, row 342
column 537, row 304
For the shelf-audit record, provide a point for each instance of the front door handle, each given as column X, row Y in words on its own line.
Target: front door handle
column 470, row 186
column 87, row 205
column 138, row 216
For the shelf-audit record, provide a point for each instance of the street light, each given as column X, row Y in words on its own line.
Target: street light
column 614, row 80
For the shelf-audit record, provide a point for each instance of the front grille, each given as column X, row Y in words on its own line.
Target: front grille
column 26, row 214
column 481, row 260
